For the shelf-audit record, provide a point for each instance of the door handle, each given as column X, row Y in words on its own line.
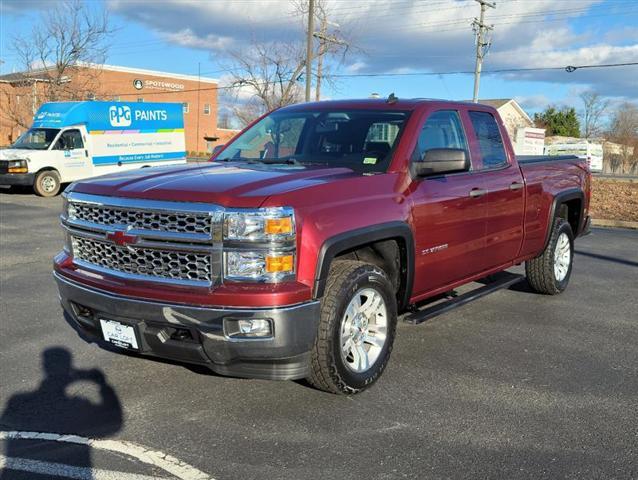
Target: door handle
column 517, row 185
column 477, row 192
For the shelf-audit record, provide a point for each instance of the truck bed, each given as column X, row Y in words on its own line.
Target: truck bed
column 523, row 159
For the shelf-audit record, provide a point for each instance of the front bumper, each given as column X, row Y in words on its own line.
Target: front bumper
column 25, row 179
column 284, row 356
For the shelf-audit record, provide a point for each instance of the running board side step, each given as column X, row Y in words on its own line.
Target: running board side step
column 493, row 283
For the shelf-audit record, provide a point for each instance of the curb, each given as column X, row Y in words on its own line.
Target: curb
column 615, row 179
column 614, row 223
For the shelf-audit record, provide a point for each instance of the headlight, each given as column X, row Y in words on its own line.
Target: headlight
column 264, row 224
column 258, row 266
column 18, row 166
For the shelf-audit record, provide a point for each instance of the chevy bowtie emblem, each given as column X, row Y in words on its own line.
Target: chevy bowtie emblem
column 121, row 238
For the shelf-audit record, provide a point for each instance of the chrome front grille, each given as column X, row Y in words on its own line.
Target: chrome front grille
column 175, row 222
column 175, row 242
column 149, row 262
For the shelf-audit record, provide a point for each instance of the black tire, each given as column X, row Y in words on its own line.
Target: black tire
column 540, row 271
column 47, row 183
column 329, row 371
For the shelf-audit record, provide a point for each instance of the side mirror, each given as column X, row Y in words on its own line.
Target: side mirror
column 439, row 161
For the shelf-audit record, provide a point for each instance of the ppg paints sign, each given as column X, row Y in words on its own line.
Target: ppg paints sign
column 120, row 116
column 157, row 85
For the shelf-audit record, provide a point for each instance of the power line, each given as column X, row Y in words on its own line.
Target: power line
column 568, row 69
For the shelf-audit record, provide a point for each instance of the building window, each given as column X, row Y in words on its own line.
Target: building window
column 141, row 100
column 207, row 109
column 185, row 107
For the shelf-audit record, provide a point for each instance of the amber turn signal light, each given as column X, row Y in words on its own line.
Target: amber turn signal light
column 280, row 264
column 278, row 226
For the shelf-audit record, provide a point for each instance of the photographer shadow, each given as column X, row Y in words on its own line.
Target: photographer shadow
column 51, row 409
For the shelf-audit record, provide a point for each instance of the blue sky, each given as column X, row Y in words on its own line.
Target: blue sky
column 390, row 35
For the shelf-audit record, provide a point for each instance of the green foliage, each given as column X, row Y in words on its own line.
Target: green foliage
column 563, row 122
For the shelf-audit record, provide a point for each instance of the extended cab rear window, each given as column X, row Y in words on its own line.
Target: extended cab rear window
column 362, row 140
column 489, row 139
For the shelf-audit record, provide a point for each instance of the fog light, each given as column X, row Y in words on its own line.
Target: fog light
column 257, row 327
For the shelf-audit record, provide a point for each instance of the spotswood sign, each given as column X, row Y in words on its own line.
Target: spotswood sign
column 156, row 85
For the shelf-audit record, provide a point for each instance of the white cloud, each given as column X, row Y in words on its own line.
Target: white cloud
column 404, row 37
column 186, row 38
column 533, row 102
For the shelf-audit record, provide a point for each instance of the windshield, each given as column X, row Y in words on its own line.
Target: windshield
column 36, row 139
column 358, row 139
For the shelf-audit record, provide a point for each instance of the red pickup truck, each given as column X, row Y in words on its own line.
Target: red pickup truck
column 293, row 252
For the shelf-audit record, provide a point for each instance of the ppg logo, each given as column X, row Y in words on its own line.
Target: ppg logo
column 120, row 116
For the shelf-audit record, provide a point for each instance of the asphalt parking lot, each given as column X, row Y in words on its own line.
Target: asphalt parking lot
column 515, row 385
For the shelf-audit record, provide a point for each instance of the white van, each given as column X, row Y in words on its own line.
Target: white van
column 74, row 140
column 592, row 152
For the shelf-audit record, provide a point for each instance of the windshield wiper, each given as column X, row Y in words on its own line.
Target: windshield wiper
column 274, row 161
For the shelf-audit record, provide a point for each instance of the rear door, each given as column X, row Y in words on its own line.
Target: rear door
column 448, row 210
column 505, row 191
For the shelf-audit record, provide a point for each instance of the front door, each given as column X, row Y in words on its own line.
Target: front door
column 449, row 211
column 72, row 160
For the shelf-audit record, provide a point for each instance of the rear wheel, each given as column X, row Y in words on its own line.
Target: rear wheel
column 549, row 273
column 47, row 183
column 356, row 330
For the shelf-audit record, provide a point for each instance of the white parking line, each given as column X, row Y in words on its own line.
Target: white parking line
column 67, row 471
column 169, row 464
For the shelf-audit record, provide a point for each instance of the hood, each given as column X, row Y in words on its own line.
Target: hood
column 227, row 184
column 16, row 154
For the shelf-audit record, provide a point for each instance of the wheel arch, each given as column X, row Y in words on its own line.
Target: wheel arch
column 49, row 168
column 569, row 205
column 377, row 238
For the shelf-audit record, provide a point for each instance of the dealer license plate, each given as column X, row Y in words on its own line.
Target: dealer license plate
column 119, row 334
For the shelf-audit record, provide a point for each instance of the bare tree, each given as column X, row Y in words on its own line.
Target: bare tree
column 594, row 107
column 270, row 72
column 67, row 36
column 624, row 131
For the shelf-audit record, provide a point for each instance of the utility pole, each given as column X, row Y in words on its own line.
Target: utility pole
column 482, row 44
column 309, row 41
column 325, row 41
column 322, row 50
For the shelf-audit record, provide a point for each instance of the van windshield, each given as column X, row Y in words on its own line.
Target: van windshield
column 362, row 140
column 36, row 139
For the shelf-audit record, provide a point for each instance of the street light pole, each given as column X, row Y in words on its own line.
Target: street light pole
column 309, row 41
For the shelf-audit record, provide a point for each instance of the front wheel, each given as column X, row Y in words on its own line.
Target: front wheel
column 47, row 183
column 549, row 273
column 356, row 329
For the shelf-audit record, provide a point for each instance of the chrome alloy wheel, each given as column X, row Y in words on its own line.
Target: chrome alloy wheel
column 562, row 257
column 363, row 330
column 48, row 184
